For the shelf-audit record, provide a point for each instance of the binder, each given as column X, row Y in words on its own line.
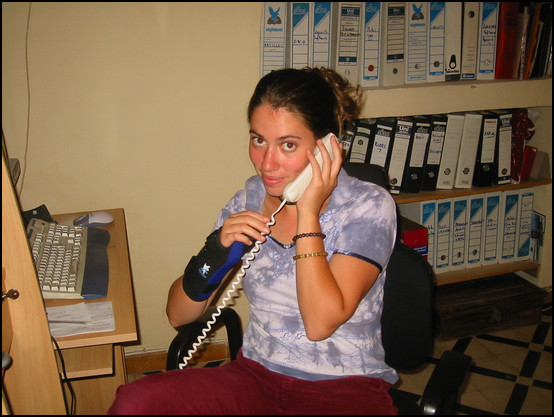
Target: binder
column 506, row 39
column 523, row 248
column 433, row 152
column 417, row 19
column 403, row 132
column 424, row 213
column 413, row 172
column 470, row 36
column 323, row 33
column 443, row 230
column 347, row 137
column 437, row 21
column 532, row 40
column 523, row 18
column 453, row 41
column 493, row 223
column 392, row 47
column 360, row 144
column 299, row 35
column 488, row 13
column 503, row 153
column 273, row 42
column 484, row 163
column 468, row 150
column 459, row 233
column 381, row 142
column 475, row 230
column 347, row 51
column 509, row 210
column 450, row 151
column 544, row 46
column 370, row 44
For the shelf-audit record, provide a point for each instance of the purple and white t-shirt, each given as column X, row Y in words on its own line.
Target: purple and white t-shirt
column 360, row 221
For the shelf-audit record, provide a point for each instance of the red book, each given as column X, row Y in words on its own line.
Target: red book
column 506, row 39
column 414, row 236
column 529, row 155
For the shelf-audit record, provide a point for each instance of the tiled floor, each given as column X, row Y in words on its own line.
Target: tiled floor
column 510, row 372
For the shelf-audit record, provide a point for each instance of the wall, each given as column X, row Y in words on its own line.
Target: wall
column 133, row 105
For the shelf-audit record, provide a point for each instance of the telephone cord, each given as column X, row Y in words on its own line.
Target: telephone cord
column 250, row 257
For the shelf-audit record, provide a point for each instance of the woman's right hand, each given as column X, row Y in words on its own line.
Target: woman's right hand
column 245, row 227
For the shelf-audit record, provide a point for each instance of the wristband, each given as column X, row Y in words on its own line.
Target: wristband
column 206, row 270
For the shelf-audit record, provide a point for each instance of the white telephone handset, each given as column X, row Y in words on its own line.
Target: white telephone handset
column 295, row 189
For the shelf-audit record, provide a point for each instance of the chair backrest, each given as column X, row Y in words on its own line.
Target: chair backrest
column 407, row 319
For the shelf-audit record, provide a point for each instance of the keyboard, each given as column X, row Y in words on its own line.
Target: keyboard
column 71, row 261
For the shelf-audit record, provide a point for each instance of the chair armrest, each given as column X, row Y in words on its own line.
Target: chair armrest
column 442, row 390
column 188, row 333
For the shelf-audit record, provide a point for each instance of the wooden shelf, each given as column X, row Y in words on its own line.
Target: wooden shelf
column 459, row 192
column 483, row 271
column 446, row 97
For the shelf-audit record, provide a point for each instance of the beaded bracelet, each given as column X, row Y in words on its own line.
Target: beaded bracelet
column 309, row 255
column 308, row 235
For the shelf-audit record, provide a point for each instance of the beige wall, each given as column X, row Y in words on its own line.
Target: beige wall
column 133, row 105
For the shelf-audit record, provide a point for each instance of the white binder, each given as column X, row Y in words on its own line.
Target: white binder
column 435, row 67
column 417, row 21
column 403, row 133
column 459, row 234
column 475, row 230
column 509, row 211
column 442, row 236
column 453, row 41
column 468, row 150
column 347, row 59
column 370, row 44
column 299, row 34
column 450, row 150
column 526, row 199
column 273, row 42
column 393, row 44
column 493, row 223
column 488, row 29
column 323, row 33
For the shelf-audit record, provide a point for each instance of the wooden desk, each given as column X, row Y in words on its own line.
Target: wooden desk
column 96, row 360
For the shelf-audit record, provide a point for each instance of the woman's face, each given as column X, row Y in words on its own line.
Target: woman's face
column 279, row 143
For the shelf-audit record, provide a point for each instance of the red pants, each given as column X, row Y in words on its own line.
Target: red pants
column 246, row 387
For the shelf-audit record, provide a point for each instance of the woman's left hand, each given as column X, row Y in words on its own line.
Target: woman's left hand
column 324, row 179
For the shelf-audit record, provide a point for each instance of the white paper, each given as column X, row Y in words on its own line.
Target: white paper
column 81, row 318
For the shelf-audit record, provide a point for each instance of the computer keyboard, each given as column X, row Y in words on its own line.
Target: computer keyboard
column 71, row 261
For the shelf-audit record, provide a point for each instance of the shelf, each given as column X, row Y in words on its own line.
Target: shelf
column 445, row 97
column 403, row 198
column 483, row 271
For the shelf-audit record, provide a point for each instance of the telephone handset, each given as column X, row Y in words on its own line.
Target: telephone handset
column 295, row 189
column 291, row 194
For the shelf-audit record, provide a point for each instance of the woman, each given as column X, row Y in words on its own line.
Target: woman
column 315, row 288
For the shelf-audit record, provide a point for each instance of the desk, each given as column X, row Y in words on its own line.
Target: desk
column 95, row 362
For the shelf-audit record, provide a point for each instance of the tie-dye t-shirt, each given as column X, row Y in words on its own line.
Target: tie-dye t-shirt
column 360, row 221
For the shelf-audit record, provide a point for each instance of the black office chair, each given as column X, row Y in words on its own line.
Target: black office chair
column 406, row 322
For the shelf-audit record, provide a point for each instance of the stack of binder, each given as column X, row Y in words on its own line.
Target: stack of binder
column 376, row 44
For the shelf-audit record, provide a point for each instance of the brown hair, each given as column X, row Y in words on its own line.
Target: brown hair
column 319, row 96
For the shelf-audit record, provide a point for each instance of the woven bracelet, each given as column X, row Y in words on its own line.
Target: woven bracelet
column 308, row 235
column 309, row 255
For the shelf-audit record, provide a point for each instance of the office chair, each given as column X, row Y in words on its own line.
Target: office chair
column 406, row 322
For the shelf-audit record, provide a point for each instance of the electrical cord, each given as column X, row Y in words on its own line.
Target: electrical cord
column 65, row 379
column 250, row 257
